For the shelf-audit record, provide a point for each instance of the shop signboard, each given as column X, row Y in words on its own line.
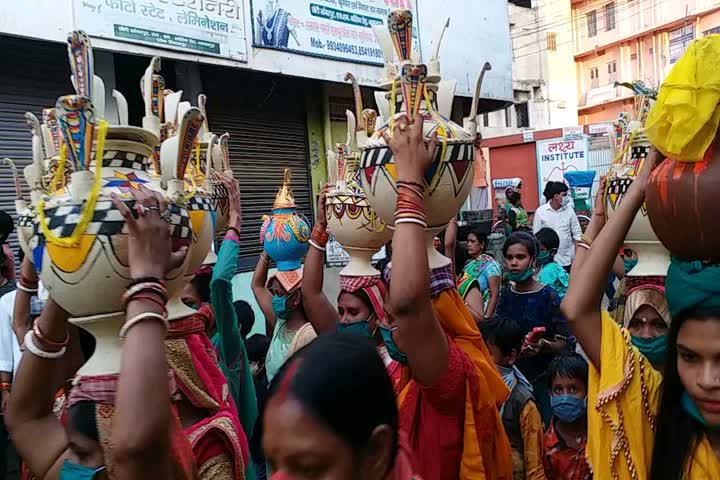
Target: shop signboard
column 202, row 27
column 336, row 29
column 557, row 156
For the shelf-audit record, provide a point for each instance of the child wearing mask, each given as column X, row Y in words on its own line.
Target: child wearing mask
column 566, row 435
column 533, row 305
column 519, row 413
column 550, row 272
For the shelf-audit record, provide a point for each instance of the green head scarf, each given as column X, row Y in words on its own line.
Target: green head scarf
column 692, row 284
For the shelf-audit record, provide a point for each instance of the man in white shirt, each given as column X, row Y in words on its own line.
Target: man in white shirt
column 559, row 215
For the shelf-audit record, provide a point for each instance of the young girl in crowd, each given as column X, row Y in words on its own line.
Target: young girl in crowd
column 533, row 305
column 642, row 424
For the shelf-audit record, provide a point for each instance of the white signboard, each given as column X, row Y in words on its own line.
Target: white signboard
column 572, row 133
column 557, row 156
column 204, row 27
column 337, row 29
column 528, row 136
column 600, row 128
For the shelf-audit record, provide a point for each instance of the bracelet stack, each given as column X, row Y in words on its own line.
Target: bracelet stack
column 585, row 242
column 149, row 289
column 319, row 237
column 28, row 286
column 45, row 347
column 410, row 199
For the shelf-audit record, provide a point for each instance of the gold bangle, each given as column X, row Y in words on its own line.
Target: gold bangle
column 586, row 239
column 584, row 245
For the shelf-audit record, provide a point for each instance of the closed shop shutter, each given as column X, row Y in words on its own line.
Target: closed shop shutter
column 34, row 75
column 265, row 116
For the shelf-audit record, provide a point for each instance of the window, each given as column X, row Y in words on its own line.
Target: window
column 508, row 118
column 712, row 31
column 537, row 94
column 594, row 77
column 680, row 40
column 522, row 115
column 609, row 16
column 551, row 41
column 592, row 23
column 486, row 120
column 612, row 72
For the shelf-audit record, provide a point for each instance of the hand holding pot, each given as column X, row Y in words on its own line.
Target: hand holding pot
column 412, row 155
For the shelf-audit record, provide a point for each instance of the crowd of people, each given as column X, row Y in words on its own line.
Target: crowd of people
column 510, row 369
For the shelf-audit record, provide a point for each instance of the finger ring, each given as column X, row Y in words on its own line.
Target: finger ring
column 153, row 207
column 142, row 209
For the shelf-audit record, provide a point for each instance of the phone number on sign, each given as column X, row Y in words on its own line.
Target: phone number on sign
column 358, row 50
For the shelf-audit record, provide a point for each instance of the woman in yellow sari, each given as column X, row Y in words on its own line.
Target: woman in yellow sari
column 642, row 424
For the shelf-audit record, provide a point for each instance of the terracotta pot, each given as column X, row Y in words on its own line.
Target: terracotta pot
column 681, row 200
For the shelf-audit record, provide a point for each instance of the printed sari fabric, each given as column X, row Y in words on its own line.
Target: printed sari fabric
column 218, row 441
column 459, row 415
column 477, row 273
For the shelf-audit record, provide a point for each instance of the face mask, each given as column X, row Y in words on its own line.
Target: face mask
column 568, row 408
column 73, row 471
column 566, row 201
column 357, row 328
column 508, row 375
column 522, row 276
column 653, row 348
column 545, row 257
column 630, row 263
column 393, row 351
column 279, row 306
column 689, row 406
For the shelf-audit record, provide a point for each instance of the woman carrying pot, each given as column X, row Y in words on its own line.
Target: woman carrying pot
column 641, row 423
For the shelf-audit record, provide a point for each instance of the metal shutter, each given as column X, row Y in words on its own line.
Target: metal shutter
column 265, row 116
column 33, row 75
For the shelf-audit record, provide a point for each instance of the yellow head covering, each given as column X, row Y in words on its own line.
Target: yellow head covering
column 683, row 122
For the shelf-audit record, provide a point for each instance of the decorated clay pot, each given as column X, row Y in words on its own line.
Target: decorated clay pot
column 449, row 179
column 681, row 198
column 284, row 235
column 358, row 228
column 653, row 258
column 79, row 248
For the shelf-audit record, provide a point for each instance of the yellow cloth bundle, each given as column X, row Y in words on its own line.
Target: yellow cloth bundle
column 683, row 122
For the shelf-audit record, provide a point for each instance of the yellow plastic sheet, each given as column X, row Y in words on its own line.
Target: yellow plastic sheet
column 683, row 122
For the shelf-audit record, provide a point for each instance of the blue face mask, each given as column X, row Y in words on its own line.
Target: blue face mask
column 689, row 406
column 361, row 328
column 279, row 306
column 568, row 408
column 629, row 263
column 522, row 276
column 73, row 471
column 393, row 351
column 652, row 348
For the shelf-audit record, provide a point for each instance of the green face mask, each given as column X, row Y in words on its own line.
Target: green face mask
column 545, row 257
column 653, row 348
column 522, row 276
column 357, row 328
column 689, row 406
column 630, row 263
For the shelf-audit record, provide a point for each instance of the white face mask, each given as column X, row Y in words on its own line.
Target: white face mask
column 566, row 201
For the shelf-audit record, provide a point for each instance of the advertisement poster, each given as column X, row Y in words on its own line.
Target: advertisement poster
column 203, row 27
column 337, row 29
column 335, row 254
column 557, row 156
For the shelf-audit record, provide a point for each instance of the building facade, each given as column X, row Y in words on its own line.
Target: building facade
column 631, row 40
column 543, row 70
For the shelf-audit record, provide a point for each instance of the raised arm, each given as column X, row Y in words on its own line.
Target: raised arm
column 230, row 342
column 581, row 305
column 38, row 437
column 263, row 297
column 143, row 423
column 318, row 308
column 418, row 333
column 451, row 233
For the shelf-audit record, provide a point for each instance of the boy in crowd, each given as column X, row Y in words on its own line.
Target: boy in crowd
column 519, row 413
column 551, row 273
column 566, row 436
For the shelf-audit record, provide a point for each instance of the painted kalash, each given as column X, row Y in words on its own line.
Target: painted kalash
column 413, row 88
column 76, row 238
column 631, row 147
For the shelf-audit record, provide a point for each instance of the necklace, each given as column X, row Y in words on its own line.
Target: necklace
column 269, row 25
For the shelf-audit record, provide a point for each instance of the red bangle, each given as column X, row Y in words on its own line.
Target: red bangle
column 150, row 298
column 47, row 341
column 320, row 235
